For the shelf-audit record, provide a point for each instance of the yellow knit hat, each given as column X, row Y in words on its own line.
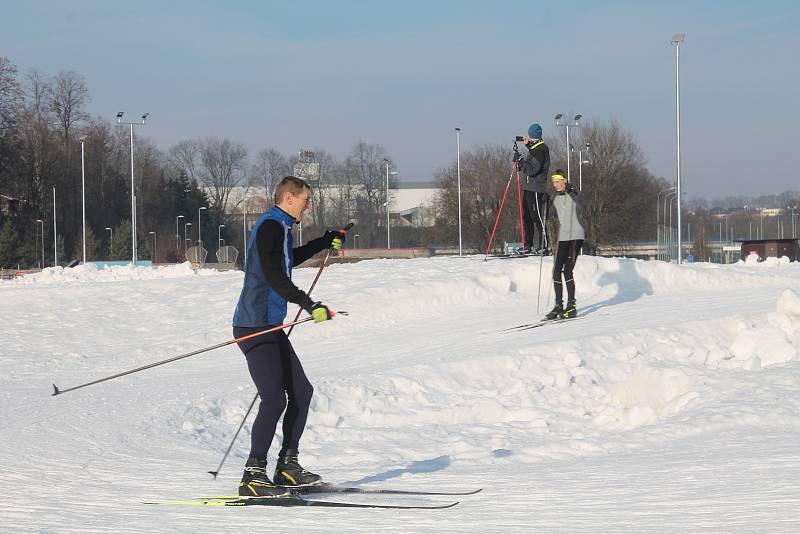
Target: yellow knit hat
column 558, row 178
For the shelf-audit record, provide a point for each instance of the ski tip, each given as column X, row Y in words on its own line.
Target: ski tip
column 56, row 391
column 348, row 226
column 213, row 474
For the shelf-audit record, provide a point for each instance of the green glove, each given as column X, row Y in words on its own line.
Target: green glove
column 335, row 239
column 320, row 312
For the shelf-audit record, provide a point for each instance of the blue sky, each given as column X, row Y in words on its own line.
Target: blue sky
column 403, row 74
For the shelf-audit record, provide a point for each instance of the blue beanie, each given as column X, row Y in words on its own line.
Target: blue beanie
column 535, row 131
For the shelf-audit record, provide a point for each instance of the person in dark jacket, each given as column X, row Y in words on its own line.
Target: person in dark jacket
column 535, row 165
column 271, row 360
column 565, row 210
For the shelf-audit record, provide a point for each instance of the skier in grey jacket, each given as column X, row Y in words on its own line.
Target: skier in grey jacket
column 566, row 210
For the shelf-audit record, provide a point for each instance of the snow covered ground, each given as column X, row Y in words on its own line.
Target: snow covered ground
column 671, row 405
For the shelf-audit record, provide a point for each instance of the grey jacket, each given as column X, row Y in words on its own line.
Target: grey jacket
column 575, row 220
column 535, row 166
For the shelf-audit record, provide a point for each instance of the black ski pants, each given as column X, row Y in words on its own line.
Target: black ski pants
column 563, row 262
column 278, row 376
column 534, row 216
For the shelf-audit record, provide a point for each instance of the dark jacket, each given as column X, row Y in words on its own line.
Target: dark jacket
column 268, row 271
column 536, row 167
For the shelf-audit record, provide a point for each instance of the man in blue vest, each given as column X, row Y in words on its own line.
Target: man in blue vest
column 535, row 166
column 273, row 364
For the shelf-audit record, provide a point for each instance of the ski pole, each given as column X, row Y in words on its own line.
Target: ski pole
column 255, row 397
column 193, row 353
column 500, row 212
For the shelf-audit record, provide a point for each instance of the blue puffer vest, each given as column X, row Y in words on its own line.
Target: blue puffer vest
column 259, row 305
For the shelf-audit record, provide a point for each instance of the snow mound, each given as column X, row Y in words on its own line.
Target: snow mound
column 89, row 273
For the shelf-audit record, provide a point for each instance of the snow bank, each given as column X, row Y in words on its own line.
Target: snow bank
column 89, row 273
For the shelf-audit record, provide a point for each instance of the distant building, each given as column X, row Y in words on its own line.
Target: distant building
column 771, row 212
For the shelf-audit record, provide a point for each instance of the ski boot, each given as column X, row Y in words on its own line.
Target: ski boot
column 570, row 312
column 555, row 313
column 289, row 472
column 256, row 483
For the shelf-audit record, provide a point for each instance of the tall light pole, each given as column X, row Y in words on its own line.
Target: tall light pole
column 155, row 242
column 581, row 161
column 55, row 231
column 355, row 241
column 566, row 124
column 388, row 239
column 219, row 235
column 677, row 39
column 41, row 264
column 199, row 226
column 83, row 197
column 244, row 229
column 177, row 234
column 669, row 242
column 110, row 240
column 133, row 190
column 185, row 236
column 794, row 232
column 458, row 174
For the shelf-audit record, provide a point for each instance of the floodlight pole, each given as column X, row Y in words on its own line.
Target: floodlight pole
column 458, row 174
column 677, row 39
column 83, row 197
column 133, row 191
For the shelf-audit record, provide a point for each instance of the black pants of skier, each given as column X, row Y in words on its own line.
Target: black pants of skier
column 534, row 216
column 278, row 376
column 564, row 260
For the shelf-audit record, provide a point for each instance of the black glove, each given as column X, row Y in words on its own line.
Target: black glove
column 569, row 188
column 517, row 156
column 334, row 239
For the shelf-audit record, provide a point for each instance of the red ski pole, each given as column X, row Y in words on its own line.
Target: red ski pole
column 499, row 212
column 57, row 391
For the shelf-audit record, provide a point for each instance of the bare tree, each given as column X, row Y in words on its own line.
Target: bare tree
column 184, row 158
column 365, row 167
column 269, row 168
column 484, row 174
column 619, row 193
column 10, row 94
column 223, row 162
column 67, row 93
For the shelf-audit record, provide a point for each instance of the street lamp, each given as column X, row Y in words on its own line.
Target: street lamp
column 199, row 226
column 581, row 161
column 83, row 197
column 388, row 237
column 355, row 241
column 110, row 240
column 458, row 174
column 219, row 235
column 177, row 234
column 566, row 124
column 41, row 264
column 244, row 229
column 185, row 236
column 55, row 231
column 155, row 243
column 133, row 191
column 677, row 39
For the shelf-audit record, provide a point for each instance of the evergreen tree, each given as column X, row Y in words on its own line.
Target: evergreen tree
column 9, row 246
